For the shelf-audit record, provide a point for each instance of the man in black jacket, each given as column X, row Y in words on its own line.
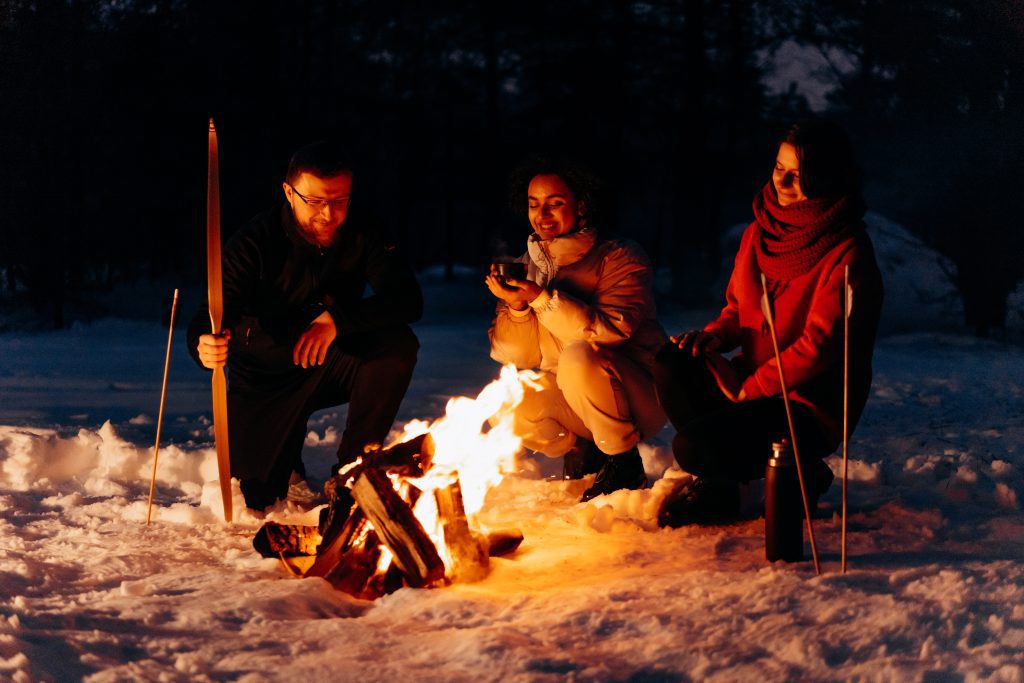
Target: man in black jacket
column 300, row 333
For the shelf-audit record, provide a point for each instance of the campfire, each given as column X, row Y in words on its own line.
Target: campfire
column 406, row 515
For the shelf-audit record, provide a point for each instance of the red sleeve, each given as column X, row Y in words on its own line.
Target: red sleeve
column 820, row 344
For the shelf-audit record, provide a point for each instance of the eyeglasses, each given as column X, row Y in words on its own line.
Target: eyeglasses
column 318, row 204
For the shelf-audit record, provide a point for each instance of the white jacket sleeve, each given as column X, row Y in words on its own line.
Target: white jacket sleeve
column 621, row 302
column 514, row 338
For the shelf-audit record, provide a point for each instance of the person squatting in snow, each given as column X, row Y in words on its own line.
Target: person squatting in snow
column 808, row 226
column 299, row 334
column 584, row 316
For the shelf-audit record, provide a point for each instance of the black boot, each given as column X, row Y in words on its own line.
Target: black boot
column 622, row 471
column 706, row 502
column 259, row 494
column 582, row 459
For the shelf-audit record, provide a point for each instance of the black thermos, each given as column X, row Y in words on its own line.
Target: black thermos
column 783, row 507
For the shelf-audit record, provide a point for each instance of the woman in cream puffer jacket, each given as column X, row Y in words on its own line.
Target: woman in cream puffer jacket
column 585, row 318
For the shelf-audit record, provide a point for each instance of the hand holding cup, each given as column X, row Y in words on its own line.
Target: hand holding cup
column 507, row 281
column 509, row 269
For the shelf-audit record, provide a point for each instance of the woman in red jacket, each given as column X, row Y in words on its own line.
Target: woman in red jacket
column 808, row 226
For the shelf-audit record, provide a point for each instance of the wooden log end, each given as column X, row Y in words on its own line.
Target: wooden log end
column 468, row 560
column 398, row 528
column 503, row 542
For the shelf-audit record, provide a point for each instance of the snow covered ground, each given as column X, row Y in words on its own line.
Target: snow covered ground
column 596, row 591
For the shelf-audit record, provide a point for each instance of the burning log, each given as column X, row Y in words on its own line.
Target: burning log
column 333, row 517
column 503, row 542
column 398, row 528
column 356, row 565
column 407, row 459
column 349, row 559
column 372, row 541
column 469, row 560
column 275, row 539
column 332, row 550
column 384, row 583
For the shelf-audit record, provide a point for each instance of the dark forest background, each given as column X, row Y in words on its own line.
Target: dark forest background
column 104, row 107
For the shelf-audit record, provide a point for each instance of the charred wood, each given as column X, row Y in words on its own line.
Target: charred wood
column 469, row 560
column 354, row 572
column 332, row 553
column 274, row 540
column 398, row 528
column 337, row 512
column 503, row 542
column 409, row 459
column 384, row 583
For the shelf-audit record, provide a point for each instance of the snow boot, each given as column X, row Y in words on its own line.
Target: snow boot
column 582, row 459
column 622, row 471
column 300, row 493
column 705, row 502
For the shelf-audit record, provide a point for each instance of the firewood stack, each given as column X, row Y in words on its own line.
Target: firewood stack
column 371, row 543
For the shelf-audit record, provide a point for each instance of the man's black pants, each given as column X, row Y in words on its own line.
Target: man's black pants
column 721, row 440
column 270, row 401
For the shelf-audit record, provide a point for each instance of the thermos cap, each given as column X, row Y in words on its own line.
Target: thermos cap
column 782, row 454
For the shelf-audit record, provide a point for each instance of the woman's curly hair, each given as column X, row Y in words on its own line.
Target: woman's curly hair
column 586, row 186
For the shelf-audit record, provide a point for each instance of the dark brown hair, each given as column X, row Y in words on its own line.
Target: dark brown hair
column 325, row 158
column 828, row 164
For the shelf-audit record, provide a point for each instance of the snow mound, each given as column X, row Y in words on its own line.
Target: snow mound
column 920, row 293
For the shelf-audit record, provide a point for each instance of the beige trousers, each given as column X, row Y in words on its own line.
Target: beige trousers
column 596, row 393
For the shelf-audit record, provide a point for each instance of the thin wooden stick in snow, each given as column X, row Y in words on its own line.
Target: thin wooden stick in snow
column 847, row 308
column 160, row 413
column 767, row 310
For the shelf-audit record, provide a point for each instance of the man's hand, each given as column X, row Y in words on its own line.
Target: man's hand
column 311, row 349
column 697, row 342
column 516, row 293
column 213, row 349
column 725, row 376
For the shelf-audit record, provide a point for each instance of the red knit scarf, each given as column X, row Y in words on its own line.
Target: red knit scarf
column 792, row 239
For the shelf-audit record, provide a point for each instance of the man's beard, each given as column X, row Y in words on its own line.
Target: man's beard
column 320, row 232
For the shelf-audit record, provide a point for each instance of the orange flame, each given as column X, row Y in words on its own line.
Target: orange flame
column 474, row 441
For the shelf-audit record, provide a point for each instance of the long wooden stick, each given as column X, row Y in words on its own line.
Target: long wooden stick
column 215, row 296
column 160, row 413
column 847, row 308
column 767, row 310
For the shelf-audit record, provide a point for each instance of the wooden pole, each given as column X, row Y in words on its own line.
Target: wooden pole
column 767, row 310
column 847, row 308
column 215, row 297
column 160, row 413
